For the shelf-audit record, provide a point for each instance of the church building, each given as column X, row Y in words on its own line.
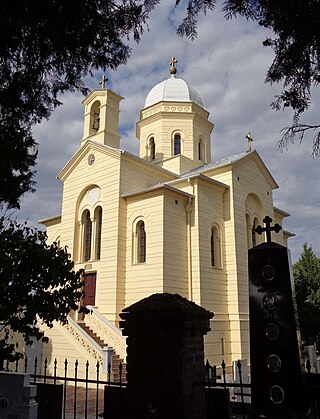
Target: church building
column 169, row 220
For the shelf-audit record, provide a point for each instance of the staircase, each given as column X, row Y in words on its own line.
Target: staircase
column 102, row 340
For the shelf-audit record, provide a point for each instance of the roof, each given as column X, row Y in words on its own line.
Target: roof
column 231, row 161
column 173, row 90
column 219, row 163
column 157, row 187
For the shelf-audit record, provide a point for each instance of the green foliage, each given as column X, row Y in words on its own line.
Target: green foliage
column 37, row 283
column 306, row 274
column 47, row 48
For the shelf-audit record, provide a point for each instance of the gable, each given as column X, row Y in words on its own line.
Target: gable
column 82, row 157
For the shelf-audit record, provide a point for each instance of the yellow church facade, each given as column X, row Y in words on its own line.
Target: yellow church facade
column 168, row 220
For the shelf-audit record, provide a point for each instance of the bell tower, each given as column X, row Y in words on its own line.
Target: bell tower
column 101, row 116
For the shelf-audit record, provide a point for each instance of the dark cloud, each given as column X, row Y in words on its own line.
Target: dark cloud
column 227, row 65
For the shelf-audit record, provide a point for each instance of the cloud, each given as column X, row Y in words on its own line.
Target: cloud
column 227, row 64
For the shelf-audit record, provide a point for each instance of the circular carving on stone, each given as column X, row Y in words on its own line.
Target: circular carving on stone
column 180, row 109
column 173, row 108
column 272, row 331
column 270, row 301
column 187, row 109
column 268, row 272
column 274, row 363
column 276, row 394
column 91, row 159
column 166, row 108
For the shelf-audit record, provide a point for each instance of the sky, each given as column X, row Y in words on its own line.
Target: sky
column 227, row 65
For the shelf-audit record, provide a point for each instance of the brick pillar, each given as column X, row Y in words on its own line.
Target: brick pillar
column 165, row 357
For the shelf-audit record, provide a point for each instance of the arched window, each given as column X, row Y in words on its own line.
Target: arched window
column 215, row 247
column 253, row 232
column 152, row 146
column 248, row 231
column 141, row 242
column 87, row 235
column 200, row 149
column 98, row 221
column 176, row 144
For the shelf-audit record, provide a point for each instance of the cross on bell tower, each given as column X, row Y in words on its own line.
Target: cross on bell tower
column 267, row 221
column 103, row 81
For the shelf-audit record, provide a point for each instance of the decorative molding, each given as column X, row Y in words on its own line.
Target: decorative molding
column 165, row 108
column 87, row 343
column 107, row 332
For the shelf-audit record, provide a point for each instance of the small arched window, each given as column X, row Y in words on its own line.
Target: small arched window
column 98, row 221
column 200, row 149
column 215, row 251
column 152, row 146
column 176, row 144
column 87, row 235
column 141, row 242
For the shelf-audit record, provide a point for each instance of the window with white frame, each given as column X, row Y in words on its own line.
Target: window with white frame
column 215, row 247
column 176, row 144
column 87, row 235
column 152, row 147
column 139, row 245
column 98, row 226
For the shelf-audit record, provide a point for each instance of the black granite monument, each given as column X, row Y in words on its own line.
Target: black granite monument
column 275, row 362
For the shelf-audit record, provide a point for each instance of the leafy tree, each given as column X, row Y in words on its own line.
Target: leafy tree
column 306, row 274
column 47, row 48
column 37, row 284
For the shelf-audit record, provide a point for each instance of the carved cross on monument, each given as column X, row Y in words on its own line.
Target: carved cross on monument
column 103, row 81
column 267, row 221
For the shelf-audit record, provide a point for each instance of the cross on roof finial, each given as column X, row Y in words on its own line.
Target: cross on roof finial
column 267, row 221
column 103, row 81
column 173, row 70
column 250, row 139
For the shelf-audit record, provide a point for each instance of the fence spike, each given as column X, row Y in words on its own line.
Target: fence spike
column 223, row 365
column 109, row 372
column 25, row 363
column 55, row 363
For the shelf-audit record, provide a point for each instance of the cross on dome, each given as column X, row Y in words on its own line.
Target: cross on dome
column 173, row 70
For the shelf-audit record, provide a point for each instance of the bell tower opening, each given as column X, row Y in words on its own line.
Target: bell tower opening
column 95, row 117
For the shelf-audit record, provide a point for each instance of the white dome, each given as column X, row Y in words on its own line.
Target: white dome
column 173, row 90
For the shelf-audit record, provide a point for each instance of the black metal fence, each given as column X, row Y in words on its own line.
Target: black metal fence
column 68, row 396
column 71, row 393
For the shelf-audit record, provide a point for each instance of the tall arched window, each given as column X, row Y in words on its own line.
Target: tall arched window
column 152, row 146
column 176, row 144
column 141, row 242
column 98, row 221
column 87, row 235
column 253, row 232
column 248, row 231
column 215, row 251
